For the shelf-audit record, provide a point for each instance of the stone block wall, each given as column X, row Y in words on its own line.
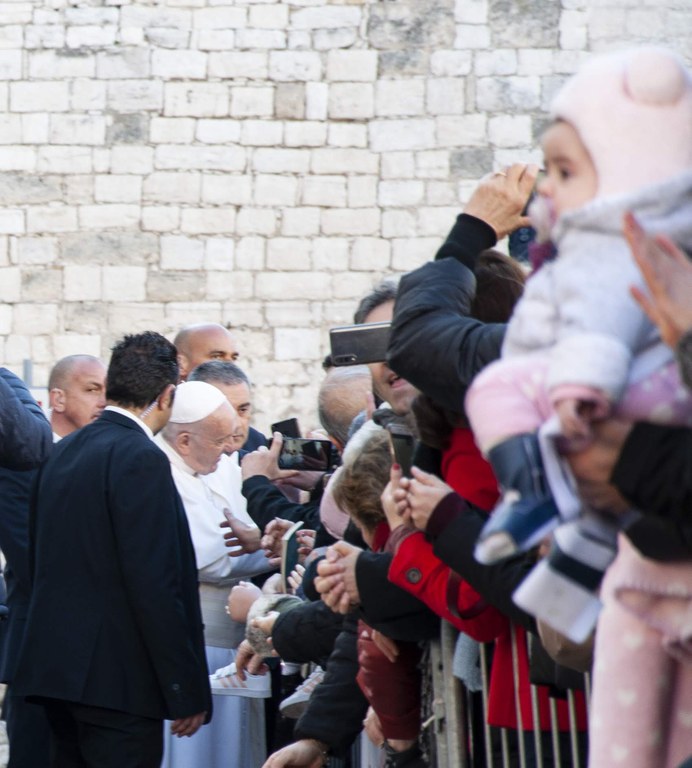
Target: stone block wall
column 260, row 163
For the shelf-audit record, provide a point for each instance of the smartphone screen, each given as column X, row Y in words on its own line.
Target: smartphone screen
column 359, row 344
column 305, row 453
column 403, row 445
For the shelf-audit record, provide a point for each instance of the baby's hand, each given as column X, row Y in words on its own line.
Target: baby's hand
column 241, row 597
column 575, row 418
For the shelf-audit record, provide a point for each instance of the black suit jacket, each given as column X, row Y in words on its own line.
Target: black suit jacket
column 15, row 491
column 114, row 619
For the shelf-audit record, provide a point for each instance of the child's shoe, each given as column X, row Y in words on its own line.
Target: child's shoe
column 526, row 512
column 225, row 681
column 562, row 590
column 297, row 702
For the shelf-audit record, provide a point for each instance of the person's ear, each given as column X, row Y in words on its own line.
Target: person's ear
column 56, row 400
column 165, row 399
column 182, row 443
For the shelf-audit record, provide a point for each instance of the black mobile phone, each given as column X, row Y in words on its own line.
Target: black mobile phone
column 287, row 427
column 403, row 445
column 358, row 344
column 305, row 453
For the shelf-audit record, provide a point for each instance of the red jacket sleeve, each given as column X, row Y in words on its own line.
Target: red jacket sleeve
column 417, row 570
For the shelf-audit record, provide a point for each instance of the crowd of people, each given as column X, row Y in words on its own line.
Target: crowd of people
column 545, row 514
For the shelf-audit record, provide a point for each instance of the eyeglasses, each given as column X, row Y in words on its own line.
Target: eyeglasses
column 219, row 443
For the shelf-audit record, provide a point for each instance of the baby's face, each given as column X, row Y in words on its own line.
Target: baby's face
column 570, row 179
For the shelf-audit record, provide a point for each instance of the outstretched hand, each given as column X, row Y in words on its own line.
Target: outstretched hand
column 242, row 539
column 306, row 753
column 667, row 273
column 336, row 579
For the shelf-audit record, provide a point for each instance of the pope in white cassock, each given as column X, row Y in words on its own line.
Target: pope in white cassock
column 197, row 441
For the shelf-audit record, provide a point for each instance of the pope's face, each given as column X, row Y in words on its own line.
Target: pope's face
column 210, row 438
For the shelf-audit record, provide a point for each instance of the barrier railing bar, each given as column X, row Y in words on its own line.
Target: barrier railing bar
column 517, row 697
column 484, row 698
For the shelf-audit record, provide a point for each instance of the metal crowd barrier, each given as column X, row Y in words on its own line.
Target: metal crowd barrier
column 462, row 740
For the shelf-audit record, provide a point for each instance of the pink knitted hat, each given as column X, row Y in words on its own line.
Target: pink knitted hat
column 633, row 112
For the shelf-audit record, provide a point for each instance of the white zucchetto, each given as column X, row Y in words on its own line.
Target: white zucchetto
column 194, row 401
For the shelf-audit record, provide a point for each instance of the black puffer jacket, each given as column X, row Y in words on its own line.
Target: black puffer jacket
column 25, row 434
column 654, row 472
column 434, row 344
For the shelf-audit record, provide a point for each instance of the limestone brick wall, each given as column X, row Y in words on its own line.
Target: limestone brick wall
column 259, row 163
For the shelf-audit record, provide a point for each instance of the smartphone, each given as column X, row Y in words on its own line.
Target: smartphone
column 305, row 453
column 289, row 554
column 287, row 427
column 403, row 445
column 359, row 344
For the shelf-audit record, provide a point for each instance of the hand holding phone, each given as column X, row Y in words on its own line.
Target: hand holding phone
column 403, row 445
column 305, row 453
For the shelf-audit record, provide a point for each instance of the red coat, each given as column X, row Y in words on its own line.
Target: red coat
column 418, row 570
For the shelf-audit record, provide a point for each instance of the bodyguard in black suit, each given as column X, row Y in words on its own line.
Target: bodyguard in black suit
column 114, row 641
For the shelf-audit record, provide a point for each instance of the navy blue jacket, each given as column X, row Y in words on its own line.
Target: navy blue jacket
column 114, row 619
column 25, row 434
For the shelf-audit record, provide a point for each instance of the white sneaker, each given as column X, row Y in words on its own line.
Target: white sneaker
column 294, row 705
column 225, row 682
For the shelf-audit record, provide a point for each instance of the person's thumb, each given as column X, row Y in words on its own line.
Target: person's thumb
column 425, row 478
column 277, row 443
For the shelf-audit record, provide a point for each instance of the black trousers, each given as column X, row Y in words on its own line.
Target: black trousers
column 27, row 732
column 92, row 737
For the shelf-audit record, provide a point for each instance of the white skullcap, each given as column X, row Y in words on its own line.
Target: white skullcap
column 194, row 401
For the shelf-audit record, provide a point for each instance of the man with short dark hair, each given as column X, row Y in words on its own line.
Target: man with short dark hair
column 235, row 384
column 114, row 641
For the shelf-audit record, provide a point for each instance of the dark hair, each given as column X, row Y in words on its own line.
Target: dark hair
column 220, row 371
column 499, row 285
column 141, row 367
column 380, row 294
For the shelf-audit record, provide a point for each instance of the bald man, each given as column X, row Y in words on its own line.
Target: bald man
column 76, row 393
column 201, row 342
